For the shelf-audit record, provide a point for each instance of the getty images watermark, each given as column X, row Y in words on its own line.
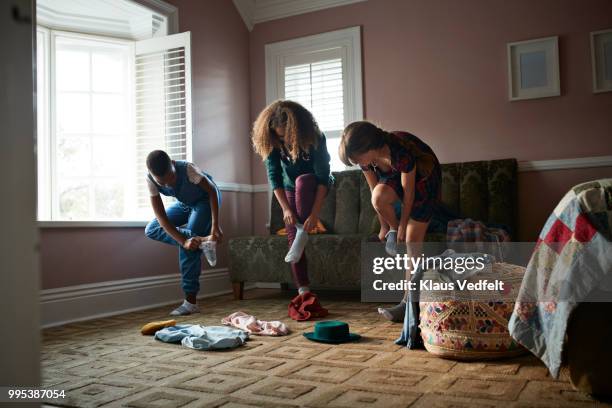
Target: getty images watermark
column 451, row 263
column 443, row 271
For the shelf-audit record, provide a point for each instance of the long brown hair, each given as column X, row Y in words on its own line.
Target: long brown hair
column 301, row 129
column 360, row 137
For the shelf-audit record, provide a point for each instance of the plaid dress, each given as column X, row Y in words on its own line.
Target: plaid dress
column 427, row 187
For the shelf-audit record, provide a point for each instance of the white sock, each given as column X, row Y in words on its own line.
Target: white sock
column 391, row 244
column 186, row 308
column 303, row 289
column 299, row 243
column 189, row 305
column 210, row 251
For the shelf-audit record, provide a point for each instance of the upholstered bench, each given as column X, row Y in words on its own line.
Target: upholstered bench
column 482, row 190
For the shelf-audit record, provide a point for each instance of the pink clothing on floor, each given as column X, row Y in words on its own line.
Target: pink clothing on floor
column 250, row 324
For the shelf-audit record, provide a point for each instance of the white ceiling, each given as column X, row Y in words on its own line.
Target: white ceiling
column 258, row 11
column 117, row 18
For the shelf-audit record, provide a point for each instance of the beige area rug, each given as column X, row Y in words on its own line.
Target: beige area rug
column 107, row 362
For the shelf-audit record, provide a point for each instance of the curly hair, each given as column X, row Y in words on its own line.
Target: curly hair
column 361, row 137
column 301, row 129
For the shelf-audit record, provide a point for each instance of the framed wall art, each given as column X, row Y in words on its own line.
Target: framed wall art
column 533, row 69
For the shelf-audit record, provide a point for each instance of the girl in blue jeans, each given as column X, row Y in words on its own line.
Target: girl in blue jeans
column 193, row 219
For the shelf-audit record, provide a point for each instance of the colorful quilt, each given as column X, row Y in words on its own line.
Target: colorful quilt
column 571, row 263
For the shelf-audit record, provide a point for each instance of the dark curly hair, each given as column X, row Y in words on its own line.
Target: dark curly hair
column 301, row 129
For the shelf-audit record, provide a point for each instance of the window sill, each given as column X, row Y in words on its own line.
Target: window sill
column 92, row 224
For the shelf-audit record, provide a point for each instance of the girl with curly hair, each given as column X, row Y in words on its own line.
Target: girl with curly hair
column 289, row 141
column 405, row 179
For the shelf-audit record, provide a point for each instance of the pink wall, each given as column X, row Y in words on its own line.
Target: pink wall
column 75, row 256
column 220, row 74
column 444, row 80
column 439, row 70
column 540, row 192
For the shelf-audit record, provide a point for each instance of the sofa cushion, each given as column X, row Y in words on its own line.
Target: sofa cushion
column 259, row 259
column 473, row 196
column 470, row 329
column 450, row 186
column 333, row 260
column 328, row 209
column 276, row 216
column 366, row 212
column 481, row 190
column 347, row 187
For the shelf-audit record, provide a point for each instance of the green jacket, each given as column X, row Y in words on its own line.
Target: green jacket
column 282, row 171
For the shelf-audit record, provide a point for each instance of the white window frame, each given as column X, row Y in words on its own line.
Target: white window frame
column 170, row 12
column 43, row 136
column 45, row 141
column 46, row 144
column 345, row 43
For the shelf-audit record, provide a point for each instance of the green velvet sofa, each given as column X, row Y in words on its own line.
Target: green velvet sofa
column 482, row 190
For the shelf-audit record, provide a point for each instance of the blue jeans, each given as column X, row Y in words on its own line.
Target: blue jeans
column 190, row 221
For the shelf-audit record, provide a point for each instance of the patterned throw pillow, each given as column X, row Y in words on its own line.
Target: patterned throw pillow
column 472, row 329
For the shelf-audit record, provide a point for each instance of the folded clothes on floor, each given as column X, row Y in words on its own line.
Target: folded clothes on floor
column 250, row 324
column 203, row 337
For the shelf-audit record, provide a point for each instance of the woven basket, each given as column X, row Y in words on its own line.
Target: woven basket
column 472, row 329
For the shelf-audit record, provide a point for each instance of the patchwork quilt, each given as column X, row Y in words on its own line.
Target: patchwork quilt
column 571, row 263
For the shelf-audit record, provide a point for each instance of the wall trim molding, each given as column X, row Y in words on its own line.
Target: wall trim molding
column 259, row 11
column 223, row 186
column 242, row 187
column 564, row 164
column 106, row 287
column 523, row 166
column 96, row 300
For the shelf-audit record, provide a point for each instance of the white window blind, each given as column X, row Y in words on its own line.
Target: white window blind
column 318, row 87
column 322, row 72
column 162, row 103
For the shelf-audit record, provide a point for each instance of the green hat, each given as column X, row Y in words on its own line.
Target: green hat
column 332, row 331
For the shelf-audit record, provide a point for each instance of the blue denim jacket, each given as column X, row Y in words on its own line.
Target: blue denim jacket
column 184, row 191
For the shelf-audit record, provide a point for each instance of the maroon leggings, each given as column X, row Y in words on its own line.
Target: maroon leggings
column 301, row 201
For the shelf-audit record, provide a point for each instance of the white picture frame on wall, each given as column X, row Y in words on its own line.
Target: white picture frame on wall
column 533, row 69
column 601, row 60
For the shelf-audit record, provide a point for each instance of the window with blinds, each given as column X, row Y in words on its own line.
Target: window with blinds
column 318, row 86
column 104, row 104
column 323, row 73
column 162, row 104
